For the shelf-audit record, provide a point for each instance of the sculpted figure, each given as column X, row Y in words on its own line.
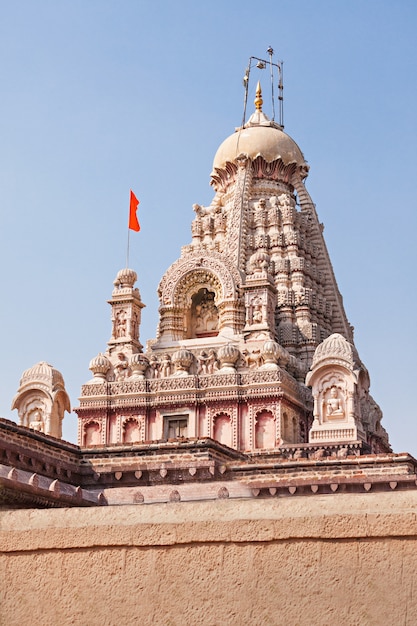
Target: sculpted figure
column 253, row 359
column 120, row 324
column 134, row 326
column 260, row 212
column 202, row 362
column 36, row 422
column 122, row 367
column 219, row 221
column 153, row 367
column 207, row 362
column 206, row 317
column 166, row 365
column 211, row 362
column 334, row 404
column 257, row 315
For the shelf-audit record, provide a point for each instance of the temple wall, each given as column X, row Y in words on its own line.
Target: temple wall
column 322, row 559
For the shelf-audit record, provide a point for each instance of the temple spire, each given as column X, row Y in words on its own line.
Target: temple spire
column 258, row 100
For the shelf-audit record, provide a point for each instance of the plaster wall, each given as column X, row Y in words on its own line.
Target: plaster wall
column 342, row 558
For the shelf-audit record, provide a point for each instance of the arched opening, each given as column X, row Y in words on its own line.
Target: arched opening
column 204, row 315
column 131, row 432
column 265, row 430
column 222, row 430
column 92, row 434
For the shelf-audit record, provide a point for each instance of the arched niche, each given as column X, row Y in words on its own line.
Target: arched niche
column 131, row 431
column 203, row 314
column 188, row 285
column 92, row 434
column 222, row 429
column 264, row 430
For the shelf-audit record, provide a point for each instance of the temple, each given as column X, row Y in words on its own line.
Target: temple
column 246, row 425
column 253, row 365
column 253, row 347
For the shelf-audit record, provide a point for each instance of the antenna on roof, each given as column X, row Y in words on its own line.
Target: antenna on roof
column 261, row 64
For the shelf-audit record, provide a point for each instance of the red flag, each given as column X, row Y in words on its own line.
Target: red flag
column 133, row 218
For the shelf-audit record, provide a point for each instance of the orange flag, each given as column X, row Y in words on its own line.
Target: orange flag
column 133, row 218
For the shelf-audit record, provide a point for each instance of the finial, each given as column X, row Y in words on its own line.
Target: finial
column 258, row 99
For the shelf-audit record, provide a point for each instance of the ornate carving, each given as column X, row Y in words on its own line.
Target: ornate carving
column 182, row 360
column 207, row 362
column 100, row 366
column 217, row 272
column 121, row 369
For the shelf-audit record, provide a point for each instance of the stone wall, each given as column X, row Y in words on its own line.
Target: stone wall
column 342, row 558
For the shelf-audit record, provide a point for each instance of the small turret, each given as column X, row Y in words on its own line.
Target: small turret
column 42, row 400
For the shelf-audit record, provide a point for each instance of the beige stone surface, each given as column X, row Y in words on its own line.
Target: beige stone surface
column 345, row 558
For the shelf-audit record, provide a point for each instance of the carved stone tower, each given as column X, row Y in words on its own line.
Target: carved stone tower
column 249, row 307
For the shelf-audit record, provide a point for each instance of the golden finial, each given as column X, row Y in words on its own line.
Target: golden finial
column 258, row 99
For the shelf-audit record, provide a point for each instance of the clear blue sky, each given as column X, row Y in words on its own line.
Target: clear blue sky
column 98, row 96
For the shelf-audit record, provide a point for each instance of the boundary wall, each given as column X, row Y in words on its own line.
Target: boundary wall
column 325, row 559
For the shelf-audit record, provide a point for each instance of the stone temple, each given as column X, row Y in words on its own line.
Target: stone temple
column 253, row 347
column 252, row 390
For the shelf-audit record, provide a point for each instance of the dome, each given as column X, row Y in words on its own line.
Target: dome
column 259, row 137
column 100, row 365
column 125, row 278
column 336, row 347
column 42, row 372
column 270, row 142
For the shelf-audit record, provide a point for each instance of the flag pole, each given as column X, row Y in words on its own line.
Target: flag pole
column 127, row 251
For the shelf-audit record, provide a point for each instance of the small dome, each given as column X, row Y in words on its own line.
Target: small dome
column 42, row 372
column 259, row 260
column 336, row 347
column 182, row 359
column 100, row 364
column 125, row 278
column 228, row 355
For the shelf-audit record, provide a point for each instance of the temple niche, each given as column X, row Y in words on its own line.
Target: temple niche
column 92, row 434
column 222, row 430
column 264, row 430
column 337, row 378
column 42, row 400
column 131, row 431
column 204, row 316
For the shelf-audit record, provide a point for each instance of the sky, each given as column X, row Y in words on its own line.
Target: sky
column 100, row 96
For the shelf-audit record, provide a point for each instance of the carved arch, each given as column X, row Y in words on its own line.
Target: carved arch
column 182, row 282
column 175, row 278
column 192, row 282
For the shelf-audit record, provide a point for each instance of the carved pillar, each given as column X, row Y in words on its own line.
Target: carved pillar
column 127, row 308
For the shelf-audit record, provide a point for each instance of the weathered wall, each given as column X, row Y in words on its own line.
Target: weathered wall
column 333, row 559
